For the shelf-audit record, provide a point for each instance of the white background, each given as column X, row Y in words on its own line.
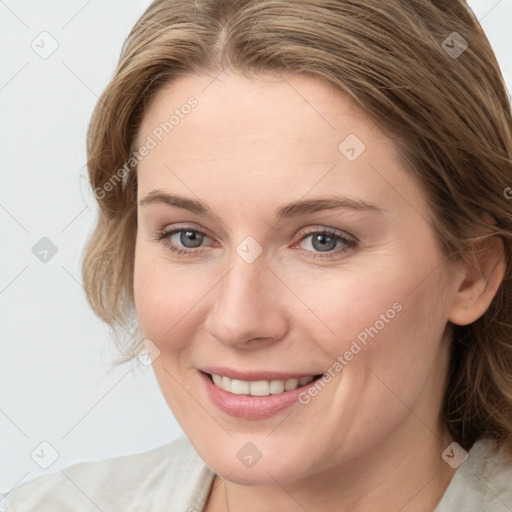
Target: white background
column 56, row 381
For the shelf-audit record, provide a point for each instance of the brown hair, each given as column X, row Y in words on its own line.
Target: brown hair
column 404, row 62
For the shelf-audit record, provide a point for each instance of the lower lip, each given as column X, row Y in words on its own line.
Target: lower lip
column 252, row 407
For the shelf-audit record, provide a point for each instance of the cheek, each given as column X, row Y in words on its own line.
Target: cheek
column 164, row 298
column 390, row 315
column 165, row 293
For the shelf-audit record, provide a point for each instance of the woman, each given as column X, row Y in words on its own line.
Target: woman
column 306, row 208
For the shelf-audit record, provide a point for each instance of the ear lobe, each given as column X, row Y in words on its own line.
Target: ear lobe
column 480, row 282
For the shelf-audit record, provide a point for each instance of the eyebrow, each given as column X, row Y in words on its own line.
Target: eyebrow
column 294, row 209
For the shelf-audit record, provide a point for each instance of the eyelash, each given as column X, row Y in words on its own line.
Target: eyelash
column 350, row 243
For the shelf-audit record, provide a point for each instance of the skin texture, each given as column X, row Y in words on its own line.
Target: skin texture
column 371, row 439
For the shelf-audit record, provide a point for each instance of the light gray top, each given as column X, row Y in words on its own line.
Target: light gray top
column 173, row 478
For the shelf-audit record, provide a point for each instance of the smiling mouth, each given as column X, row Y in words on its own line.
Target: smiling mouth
column 260, row 387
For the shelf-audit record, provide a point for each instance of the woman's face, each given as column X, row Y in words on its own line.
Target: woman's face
column 284, row 283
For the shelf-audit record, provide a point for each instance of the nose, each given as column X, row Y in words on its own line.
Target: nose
column 247, row 311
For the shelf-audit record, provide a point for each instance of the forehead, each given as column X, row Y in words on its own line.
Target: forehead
column 296, row 106
column 274, row 134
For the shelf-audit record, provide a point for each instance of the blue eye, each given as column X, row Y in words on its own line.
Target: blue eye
column 190, row 237
column 324, row 243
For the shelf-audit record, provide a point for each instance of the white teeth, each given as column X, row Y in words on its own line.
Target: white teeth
column 226, row 383
column 276, row 387
column 291, row 384
column 259, row 387
column 239, row 387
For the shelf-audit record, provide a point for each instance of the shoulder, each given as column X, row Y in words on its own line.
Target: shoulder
column 170, row 477
column 483, row 482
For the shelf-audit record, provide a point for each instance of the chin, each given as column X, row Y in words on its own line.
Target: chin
column 232, row 461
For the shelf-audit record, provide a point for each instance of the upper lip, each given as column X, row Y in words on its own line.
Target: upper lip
column 255, row 375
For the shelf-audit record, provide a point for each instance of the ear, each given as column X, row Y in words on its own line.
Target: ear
column 479, row 282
